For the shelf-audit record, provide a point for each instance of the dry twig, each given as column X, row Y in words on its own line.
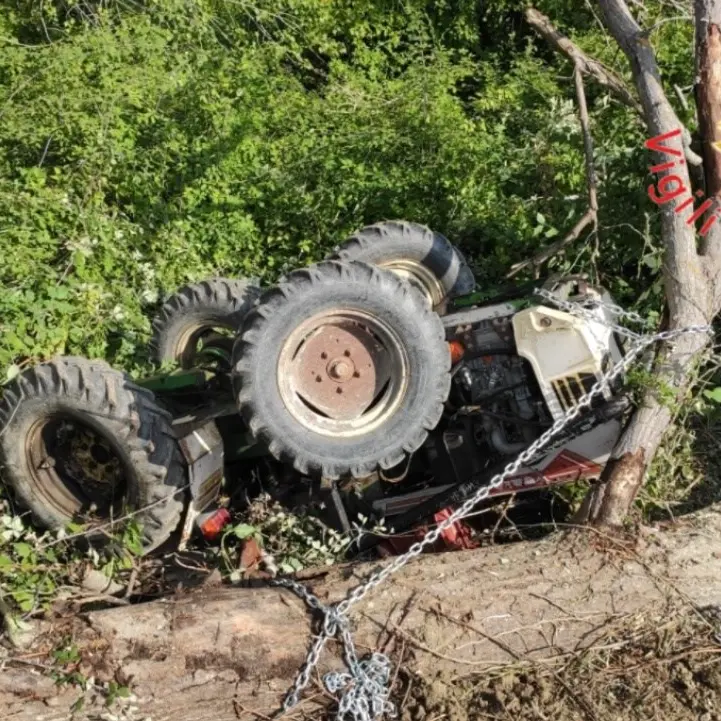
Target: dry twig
column 590, row 217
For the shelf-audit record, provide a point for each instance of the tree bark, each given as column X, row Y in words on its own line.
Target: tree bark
column 708, row 102
column 690, row 278
column 223, row 653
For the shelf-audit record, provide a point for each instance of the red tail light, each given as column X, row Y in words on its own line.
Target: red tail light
column 212, row 526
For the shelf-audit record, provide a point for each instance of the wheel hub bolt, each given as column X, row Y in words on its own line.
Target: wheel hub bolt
column 340, row 369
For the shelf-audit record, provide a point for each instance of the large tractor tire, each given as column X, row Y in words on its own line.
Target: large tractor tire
column 79, row 442
column 341, row 369
column 198, row 314
column 423, row 257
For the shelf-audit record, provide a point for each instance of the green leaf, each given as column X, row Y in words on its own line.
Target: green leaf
column 22, row 549
column 714, row 395
column 244, row 530
column 24, row 599
column 70, row 654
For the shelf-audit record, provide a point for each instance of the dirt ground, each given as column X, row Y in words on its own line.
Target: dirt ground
column 650, row 669
column 579, row 625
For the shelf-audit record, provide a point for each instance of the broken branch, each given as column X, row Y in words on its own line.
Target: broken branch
column 540, row 258
column 587, row 141
column 590, row 217
column 605, row 77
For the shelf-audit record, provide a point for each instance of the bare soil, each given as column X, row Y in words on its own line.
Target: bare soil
column 644, row 669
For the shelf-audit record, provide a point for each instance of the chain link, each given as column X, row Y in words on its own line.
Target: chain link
column 364, row 688
column 585, row 309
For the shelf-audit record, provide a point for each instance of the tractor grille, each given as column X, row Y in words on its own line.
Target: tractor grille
column 571, row 389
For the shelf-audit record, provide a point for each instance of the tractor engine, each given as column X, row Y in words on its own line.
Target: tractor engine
column 494, row 411
column 516, row 372
column 501, row 395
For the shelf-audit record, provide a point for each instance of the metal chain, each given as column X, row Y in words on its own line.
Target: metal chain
column 364, row 688
column 584, row 309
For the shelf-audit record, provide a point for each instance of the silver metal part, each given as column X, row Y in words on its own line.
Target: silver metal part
column 203, row 452
column 393, row 505
column 474, row 315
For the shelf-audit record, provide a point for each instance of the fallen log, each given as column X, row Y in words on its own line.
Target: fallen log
column 233, row 652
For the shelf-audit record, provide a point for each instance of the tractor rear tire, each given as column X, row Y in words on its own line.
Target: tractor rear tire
column 74, row 433
column 425, row 258
column 197, row 311
column 341, row 369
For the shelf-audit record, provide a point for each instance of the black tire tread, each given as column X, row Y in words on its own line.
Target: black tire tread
column 136, row 421
column 275, row 300
column 447, row 263
column 228, row 299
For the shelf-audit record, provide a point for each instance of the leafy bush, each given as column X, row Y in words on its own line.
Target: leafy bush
column 144, row 145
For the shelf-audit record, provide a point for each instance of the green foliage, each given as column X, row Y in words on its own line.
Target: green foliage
column 639, row 381
column 294, row 540
column 145, row 145
column 684, row 474
column 67, row 662
column 35, row 567
column 30, row 571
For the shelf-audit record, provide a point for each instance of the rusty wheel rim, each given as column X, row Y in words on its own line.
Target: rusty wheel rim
column 74, row 468
column 419, row 276
column 343, row 373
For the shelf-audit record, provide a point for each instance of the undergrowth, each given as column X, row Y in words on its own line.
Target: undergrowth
column 292, row 541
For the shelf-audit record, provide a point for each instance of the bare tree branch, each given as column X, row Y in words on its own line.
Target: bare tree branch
column 680, row 18
column 605, row 77
column 590, row 217
column 587, row 140
column 687, row 277
column 708, row 102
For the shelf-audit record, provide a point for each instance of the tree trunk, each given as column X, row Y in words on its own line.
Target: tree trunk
column 708, row 102
column 690, row 276
column 221, row 653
